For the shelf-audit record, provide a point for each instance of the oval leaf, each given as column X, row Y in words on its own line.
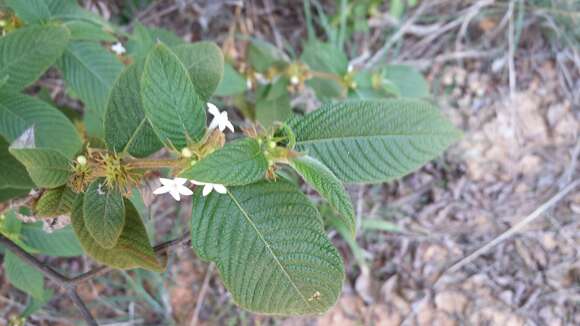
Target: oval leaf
column 46, row 167
column 169, row 99
column 269, row 245
column 205, row 63
column 374, row 141
column 29, row 51
column 55, row 202
column 126, row 127
column 52, row 129
column 328, row 186
column 104, row 213
column 237, row 163
column 58, row 243
column 133, row 249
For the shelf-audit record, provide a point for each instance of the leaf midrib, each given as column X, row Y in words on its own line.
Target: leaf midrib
column 249, row 219
column 367, row 137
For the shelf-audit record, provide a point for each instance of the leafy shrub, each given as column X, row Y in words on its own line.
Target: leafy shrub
column 264, row 235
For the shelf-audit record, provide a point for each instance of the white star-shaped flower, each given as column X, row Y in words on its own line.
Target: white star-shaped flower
column 208, row 187
column 220, row 119
column 118, row 48
column 174, row 187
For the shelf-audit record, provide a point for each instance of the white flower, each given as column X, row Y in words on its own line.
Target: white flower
column 174, row 187
column 249, row 83
column 220, row 119
column 294, row 80
column 350, row 68
column 118, row 48
column 208, row 187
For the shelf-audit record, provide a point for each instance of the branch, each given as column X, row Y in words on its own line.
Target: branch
column 70, row 284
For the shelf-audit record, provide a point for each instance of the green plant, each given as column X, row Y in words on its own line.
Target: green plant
column 265, row 236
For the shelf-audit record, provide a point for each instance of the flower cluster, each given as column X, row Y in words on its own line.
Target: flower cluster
column 176, row 187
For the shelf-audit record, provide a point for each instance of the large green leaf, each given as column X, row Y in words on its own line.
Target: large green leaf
column 30, row 11
column 237, row 163
column 12, row 172
column 374, row 141
column 104, row 213
column 9, row 193
column 327, row 184
column 23, row 276
column 205, row 63
column 52, row 129
column 233, row 82
column 86, row 31
column 90, row 70
column 269, row 245
column 58, row 243
column 27, row 52
column 55, row 202
column 46, row 167
column 133, row 249
column 38, row 11
column 171, row 104
column 126, row 127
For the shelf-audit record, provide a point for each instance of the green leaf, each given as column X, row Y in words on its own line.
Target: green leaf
column 171, row 104
column 86, row 31
column 374, row 141
column 237, row 163
column 38, row 11
column 205, row 63
column 55, row 202
column 47, row 168
column 9, row 193
column 233, row 82
column 12, row 172
column 89, row 70
column 126, row 127
column 269, row 245
column 30, row 11
column 328, row 186
column 324, row 57
column 28, row 52
column 34, row 304
column 144, row 39
column 23, row 276
column 58, row 243
column 133, row 249
column 273, row 105
column 52, row 129
column 408, row 81
column 104, row 213
column 263, row 55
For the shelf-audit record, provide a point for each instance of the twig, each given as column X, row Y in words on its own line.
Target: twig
column 201, row 296
column 400, row 33
column 515, row 229
column 70, row 284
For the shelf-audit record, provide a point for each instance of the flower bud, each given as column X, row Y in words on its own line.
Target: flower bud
column 82, row 160
column 186, row 152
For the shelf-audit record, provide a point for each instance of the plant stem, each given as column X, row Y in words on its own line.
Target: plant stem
column 153, row 164
column 70, row 284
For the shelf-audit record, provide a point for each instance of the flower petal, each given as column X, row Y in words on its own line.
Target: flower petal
column 220, row 188
column 198, row 183
column 185, row 191
column 180, row 181
column 207, row 189
column 213, row 110
column 230, row 126
column 161, row 190
column 214, row 123
column 166, row 182
column 175, row 194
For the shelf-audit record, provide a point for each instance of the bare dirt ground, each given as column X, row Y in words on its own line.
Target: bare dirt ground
column 507, row 74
